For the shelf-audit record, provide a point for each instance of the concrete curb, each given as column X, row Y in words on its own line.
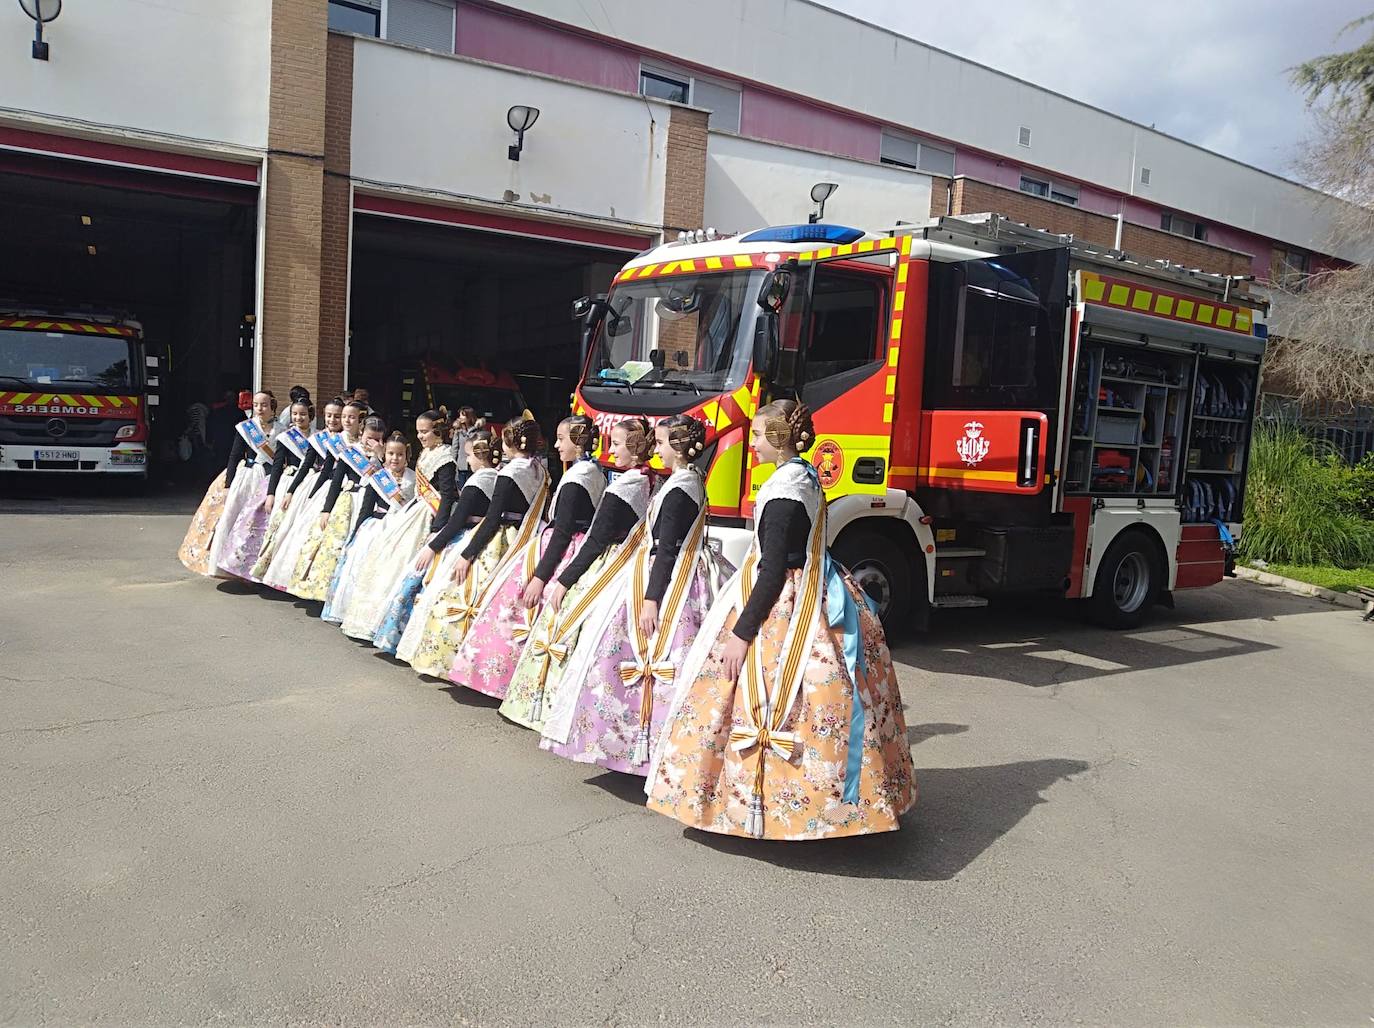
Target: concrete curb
column 1302, row 588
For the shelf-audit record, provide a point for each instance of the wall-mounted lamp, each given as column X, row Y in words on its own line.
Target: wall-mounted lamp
column 820, row 193
column 520, row 119
column 42, row 12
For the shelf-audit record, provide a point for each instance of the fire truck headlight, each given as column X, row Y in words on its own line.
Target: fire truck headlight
column 127, row 432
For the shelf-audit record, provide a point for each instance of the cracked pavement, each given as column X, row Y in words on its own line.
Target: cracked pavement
column 218, row 809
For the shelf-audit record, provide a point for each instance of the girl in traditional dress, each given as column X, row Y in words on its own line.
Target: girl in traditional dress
column 250, row 531
column 320, row 555
column 194, row 552
column 369, row 522
column 245, row 479
column 405, row 530
column 498, row 634
column 787, row 723
column 618, row 684
column 511, row 521
column 302, row 503
column 611, row 540
column 432, row 570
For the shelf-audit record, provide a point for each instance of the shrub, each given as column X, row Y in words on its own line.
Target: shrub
column 1300, row 503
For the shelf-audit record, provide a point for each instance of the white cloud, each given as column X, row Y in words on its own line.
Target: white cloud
column 1212, row 72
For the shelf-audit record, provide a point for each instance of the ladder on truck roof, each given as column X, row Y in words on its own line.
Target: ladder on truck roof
column 1002, row 235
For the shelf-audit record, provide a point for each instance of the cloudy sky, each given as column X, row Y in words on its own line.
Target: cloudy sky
column 1211, row 72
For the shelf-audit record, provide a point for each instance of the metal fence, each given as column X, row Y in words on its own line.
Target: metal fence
column 1349, row 430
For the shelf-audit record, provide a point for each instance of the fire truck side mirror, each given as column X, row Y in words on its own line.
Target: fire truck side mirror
column 581, row 307
column 773, row 292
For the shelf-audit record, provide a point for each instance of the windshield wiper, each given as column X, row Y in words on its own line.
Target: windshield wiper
column 610, row 383
column 679, row 382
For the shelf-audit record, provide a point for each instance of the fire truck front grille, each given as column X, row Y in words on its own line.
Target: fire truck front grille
column 57, row 465
column 80, row 432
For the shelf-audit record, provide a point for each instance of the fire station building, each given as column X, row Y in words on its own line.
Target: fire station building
column 317, row 191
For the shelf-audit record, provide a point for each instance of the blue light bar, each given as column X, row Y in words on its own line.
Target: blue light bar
column 805, row 234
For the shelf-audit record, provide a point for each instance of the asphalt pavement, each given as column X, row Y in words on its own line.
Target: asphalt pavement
column 218, row 809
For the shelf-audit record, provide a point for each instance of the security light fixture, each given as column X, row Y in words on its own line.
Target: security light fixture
column 42, row 12
column 520, row 119
column 85, row 219
column 820, row 193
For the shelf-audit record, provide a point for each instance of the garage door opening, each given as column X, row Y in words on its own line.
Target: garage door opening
column 477, row 306
column 176, row 254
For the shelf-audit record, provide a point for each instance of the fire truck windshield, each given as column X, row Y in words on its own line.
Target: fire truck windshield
column 99, row 363
column 681, row 335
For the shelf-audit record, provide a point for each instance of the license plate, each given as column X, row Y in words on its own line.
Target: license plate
column 55, row 455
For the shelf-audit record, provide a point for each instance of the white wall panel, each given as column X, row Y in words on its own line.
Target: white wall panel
column 435, row 122
column 199, row 69
column 751, row 184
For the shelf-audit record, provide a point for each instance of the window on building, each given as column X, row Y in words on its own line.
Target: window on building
column 664, row 86
column 1060, row 192
column 1294, row 267
column 1035, row 186
column 1023, row 137
column 906, row 151
column 361, row 18
column 721, row 100
column 1144, row 176
column 1064, row 194
column 1181, row 226
column 426, row 23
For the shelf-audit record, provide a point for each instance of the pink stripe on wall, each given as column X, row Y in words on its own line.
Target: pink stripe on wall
column 489, row 35
column 783, row 119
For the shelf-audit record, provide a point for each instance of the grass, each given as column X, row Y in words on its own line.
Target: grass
column 1340, row 580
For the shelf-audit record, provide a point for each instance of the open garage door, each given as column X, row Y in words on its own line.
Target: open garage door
column 176, row 253
column 467, row 298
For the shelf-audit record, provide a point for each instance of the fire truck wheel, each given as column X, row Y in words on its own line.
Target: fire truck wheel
column 881, row 571
column 1128, row 581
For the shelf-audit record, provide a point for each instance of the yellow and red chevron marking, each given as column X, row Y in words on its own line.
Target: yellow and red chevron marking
column 1160, row 303
column 902, row 244
column 70, row 405
column 47, row 325
column 694, row 266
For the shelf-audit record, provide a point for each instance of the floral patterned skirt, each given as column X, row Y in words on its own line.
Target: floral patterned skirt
column 249, row 533
column 194, row 552
column 534, row 684
column 403, row 533
column 487, row 658
column 322, row 551
column 607, row 728
column 304, row 520
column 346, row 572
column 236, row 498
column 702, row 781
column 410, row 626
column 280, row 523
column 442, row 635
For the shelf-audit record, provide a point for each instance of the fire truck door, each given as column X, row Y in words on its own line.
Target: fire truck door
column 994, row 361
column 837, row 328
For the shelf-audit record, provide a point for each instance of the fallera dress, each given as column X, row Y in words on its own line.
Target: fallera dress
column 487, row 658
column 251, row 529
column 810, row 742
column 404, row 620
column 370, row 522
column 246, row 486
column 618, row 684
column 323, row 548
column 611, row 542
column 512, row 520
column 402, row 534
column 306, row 504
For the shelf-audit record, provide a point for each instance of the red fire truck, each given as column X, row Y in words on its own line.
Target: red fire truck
column 998, row 409
column 75, row 393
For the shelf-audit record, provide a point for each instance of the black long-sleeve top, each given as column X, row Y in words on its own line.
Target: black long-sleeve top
column 675, row 517
column 508, row 506
column 239, row 454
column 330, row 465
column 283, row 460
column 782, row 531
column 572, row 513
column 342, row 472
column 309, row 461
column 613, row 521
column 445, row 484
column 472, row 503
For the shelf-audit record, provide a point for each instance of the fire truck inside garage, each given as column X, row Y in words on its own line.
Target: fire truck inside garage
column 92, row 245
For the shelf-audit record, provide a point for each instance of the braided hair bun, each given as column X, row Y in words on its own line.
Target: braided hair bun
column 639, row 438
column 582, row 431
column 523, row 434
column 686, row 435
column 787, row 425
column 483, row 448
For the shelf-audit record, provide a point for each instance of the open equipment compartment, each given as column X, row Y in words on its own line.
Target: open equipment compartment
column 1219, row 440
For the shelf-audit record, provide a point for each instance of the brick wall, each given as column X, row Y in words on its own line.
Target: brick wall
column 684, row 188
column 974, row 197
column 336, row 214
column 290, row 330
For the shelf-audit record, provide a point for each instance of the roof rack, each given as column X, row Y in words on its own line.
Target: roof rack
column 998, row 233
column 16, row 309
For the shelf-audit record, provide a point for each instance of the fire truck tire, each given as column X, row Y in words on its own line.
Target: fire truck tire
column 880, row 568
column 1128, row 581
